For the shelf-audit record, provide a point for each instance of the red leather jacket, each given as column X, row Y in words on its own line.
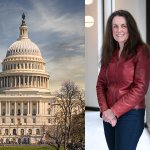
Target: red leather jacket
column 123, row 84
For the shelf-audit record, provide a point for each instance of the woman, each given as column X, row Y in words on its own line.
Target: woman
column 123, row 82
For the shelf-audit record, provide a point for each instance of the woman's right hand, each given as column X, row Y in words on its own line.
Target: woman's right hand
column 113, row 122
column 109, row 117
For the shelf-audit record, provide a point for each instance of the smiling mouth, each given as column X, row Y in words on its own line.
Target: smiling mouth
column 120, row 35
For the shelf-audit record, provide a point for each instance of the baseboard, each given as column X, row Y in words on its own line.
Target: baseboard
column 145, row 125
column 91, row 108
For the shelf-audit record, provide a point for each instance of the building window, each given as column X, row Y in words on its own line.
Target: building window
column 37, row 131
column 19, row 112
column 19, row 121
column 12, row 120
column 34, row 120
column 25, row 120
column 30, row 131
column 3, row 120
column 14, row 132
column 7, row 141
column 49, row 111
column 14, row 66
column 25, row 112
column 22, row 131
column 49, row 120
column 12, row 112
column 34, row 112
column 6, row 131
column 3, row 113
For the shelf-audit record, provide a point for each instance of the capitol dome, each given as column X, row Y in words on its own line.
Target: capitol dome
column 23, row 47
column 24, row 67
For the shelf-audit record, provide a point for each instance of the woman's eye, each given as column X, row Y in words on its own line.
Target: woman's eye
column 124, row 26
column 115, row 26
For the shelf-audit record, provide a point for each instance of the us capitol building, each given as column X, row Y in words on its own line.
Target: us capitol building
column 26, row 104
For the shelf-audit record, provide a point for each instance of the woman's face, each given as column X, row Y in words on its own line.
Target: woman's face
column 120, row 29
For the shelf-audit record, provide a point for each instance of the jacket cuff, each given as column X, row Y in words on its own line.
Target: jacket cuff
column 114, row 112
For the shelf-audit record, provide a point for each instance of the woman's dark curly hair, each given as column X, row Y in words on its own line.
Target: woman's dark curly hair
column 130, row 47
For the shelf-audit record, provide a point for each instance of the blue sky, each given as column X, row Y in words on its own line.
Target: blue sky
column 57, row 27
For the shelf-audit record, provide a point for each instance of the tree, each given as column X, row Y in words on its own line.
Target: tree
column 54, row 133
column 54, row 136
column 78, row 128
column 70, row 102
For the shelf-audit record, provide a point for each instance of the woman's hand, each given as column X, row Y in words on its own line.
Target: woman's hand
column 113, row 122
column 109, row 117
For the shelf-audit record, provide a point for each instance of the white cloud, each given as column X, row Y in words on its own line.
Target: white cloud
column 71, row 68
column 49, row 19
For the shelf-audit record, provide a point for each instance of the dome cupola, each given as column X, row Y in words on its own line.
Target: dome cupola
column 23, row 45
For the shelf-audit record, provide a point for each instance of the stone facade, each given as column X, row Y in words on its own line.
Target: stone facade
column 26, row 104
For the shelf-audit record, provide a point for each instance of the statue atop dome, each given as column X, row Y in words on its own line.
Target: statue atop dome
column 23, row 16
column 23, row 20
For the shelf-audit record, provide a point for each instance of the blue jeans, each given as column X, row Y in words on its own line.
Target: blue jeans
column 126, row 134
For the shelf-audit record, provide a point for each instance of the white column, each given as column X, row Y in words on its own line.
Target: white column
column 21, row 108
column 32, row 81
column 9, row 108
column 19, row 81
column 108, row 8
column 48, row 83
column 37, row 107
column 31, row 108
column 40, row 82
column 6, row 109
column 11, row 81
column 40, row 107
column 44, row 82
column 28, row 108
column 15, row 109
column 6, row 81
column 44, row 108
column 15, row 78
column 0, row 108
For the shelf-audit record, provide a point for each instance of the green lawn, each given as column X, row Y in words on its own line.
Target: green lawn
column 27, row 148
